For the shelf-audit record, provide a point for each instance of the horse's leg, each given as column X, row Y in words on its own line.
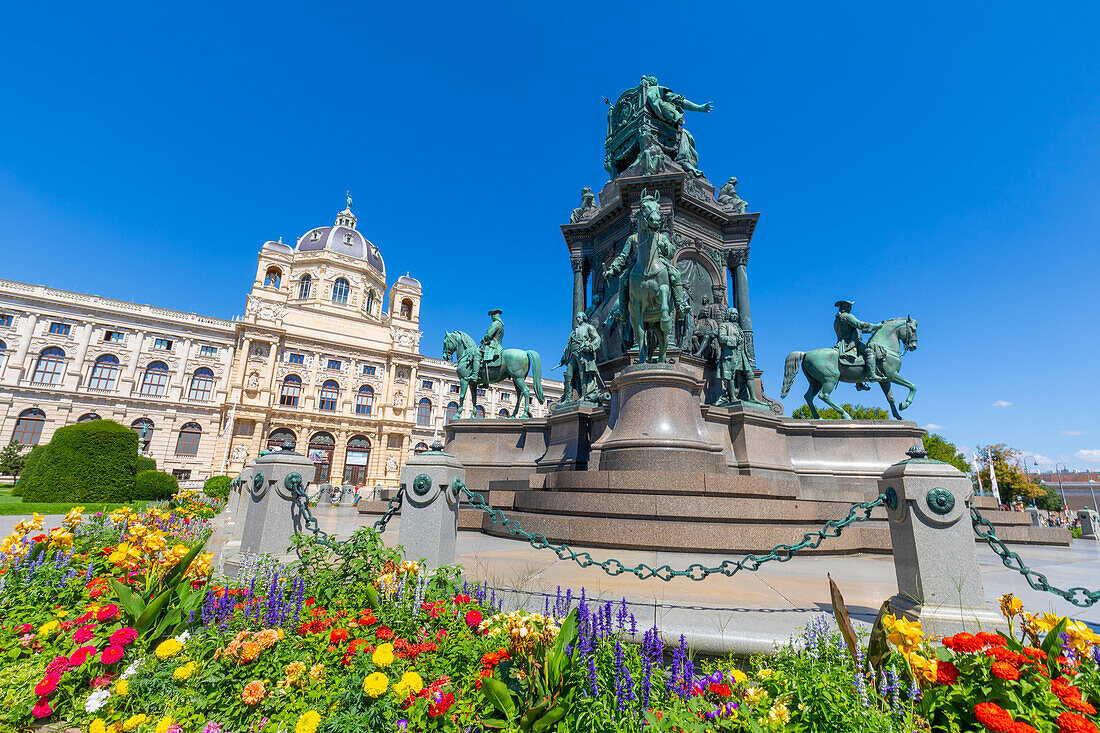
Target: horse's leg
column 890, row 398
column 811, row 392
column 898, row 379
column 524, row 393
column 666, row 322
column 461, row 396
column 827, row 388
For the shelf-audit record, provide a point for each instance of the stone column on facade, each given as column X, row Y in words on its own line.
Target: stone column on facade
column 339, row 457
column 130, row 373
column 76, row 366
column 579, row 286
column 739, row 267
column 184, row 352
column 16, row 366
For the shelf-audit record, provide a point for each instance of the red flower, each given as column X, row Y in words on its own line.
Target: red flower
column 991, row 639
column 722, row 690
column 1071, row 697
column 85, row 618
column 946, row 673
column 963, row 643
column 111, row 654
column 58, row 665
column 1074, row 723
column 81, row 655
column 337, row 635
column 462, row 598
column 22, row 629
column 993, row 716
column 84, row 633
column 1035, row 653
column 1005, row 671
column 383, row 633
column 441, row 705
column 123, row 636
column 106, row 613
column 1005, row 655
column 47, row 685
column 473, row 618
column 42, row 709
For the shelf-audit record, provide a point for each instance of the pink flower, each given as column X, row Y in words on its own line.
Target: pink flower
column 58, row 665
column 22, row 629
column 123, row 636
column 111, row 654
column 42, row 709
column 84, row 633
column 107, row 612
column 81, row 655
column 103, row 680
column 47, row 685
column 473, row 618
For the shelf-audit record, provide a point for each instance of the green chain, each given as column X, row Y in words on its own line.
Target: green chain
column 1035, row 579
column 294, row 483
column 695, row 571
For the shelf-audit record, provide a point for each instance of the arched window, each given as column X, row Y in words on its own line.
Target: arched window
column 502, row 412
column 364, row 400
column 202, row 385
column 88, row 417
column 330, row 390
column 424, row 411
column 280, row 436
column 28, row 428
column 340, row 290
column 187, row 444
column 273, row 277
column 143, row 425
column 407, row 309
column 320, row 452
column 155, row 383
column 358, row 457
column 451, row 411
column 104, row 373
column 47, row 370
column 291, row 390
column 420, row 447
column 304, row 285
column 370, row 301
column 3, row 353
column 479, row 411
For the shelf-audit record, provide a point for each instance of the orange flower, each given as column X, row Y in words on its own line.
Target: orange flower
column 268, row 637
column 1073, row 723
column 253, row 692
column 1005, row 671
column 250, row 650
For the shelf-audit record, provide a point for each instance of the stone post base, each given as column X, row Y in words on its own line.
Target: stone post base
column 946, row 620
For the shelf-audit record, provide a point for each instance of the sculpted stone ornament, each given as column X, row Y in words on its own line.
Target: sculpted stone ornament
column 579, row 359
column 728, row 198
column 646, row 117
column 587, row 208
column 489, row 363
column 825, row 368
column 735, row 366
column 703, row 337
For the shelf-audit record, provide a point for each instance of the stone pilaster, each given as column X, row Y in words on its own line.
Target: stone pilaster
column 579, row 286
column 739, row 267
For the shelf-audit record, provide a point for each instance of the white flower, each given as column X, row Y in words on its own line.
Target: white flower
column 96, row 700
column 129, row 672
column 182, row 638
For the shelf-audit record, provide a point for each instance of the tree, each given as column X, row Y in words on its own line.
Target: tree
column 940, row 449
column 12, row 459
column 1051, row 500
column 859, row 412
column 1012, row 482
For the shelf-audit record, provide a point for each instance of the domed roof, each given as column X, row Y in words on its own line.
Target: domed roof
column 342, row 238
column 279, row 247
column 412, row 282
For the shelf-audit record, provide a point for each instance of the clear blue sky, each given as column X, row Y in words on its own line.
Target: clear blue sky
column 939, row 160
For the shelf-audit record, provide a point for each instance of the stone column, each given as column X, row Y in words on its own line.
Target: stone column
column 129, row 372
column 1089, row 524
column 272, row 515
column 429, row 509
column 17, row 364
column 76, row 366
column 579, row 287
column 935, row 556
column 739, row 268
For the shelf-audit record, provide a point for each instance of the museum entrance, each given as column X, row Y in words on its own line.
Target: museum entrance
column 321, row 446
column 355, row 466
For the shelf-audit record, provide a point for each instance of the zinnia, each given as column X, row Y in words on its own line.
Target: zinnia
column 84, row 633
column 123, row 636
column 81, row 655
column 111, row 654
column 47, row 685
column 107, row 612
column 964, row 643
column 946, row 673
column 1005, row 671
column 253, row 692
column 308, row 722
column 1074, row 723
column 383, row 655
column 993, row 716
column 473, row 618
column 375, row 684
column 42, row 709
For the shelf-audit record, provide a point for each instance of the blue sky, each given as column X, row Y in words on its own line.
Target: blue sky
column 938, row 160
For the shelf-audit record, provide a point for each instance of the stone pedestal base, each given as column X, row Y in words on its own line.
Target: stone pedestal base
column 946, row 620
column 497, row 453
column 569, row 437
column 1089, row 525
column 429, row 513
column 655, row 423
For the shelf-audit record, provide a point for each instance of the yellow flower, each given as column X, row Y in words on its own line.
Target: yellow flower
column 97, row 726
column 383, row 655
column 764, row 673
column 308, row 722
column 61, row 612
column 778, row 715
column 184, row 671
column 122, row 688
column 1011, row 606
column 923, row 666
column 134, row 721
column 375, row 684
column 906, row 635
column 164, row 724
column 317, row 672
column 411, row 683
column 126, row 555
column 754, row 695
column 740, row 677
column 47, row 627
column 1048, row 622
column 168, row 648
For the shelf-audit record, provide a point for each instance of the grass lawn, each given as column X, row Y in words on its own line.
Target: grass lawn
column 14, row 505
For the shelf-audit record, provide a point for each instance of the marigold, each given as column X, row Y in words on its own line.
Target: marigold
column 308, row 722
column 383, row 655
column 410, row 684
column 134, row 721
column 168, row 648
column 97, row 726
column 375, row 684
column 164, row 724
column 1074, row 723
column 253, row 692
column 946, row 673
column 1005, row 671
column 122, row 688
column 317, row 672
column 268, row 637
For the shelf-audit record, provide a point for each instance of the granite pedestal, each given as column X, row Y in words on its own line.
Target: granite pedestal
column 429, row 508
column 1089, row 524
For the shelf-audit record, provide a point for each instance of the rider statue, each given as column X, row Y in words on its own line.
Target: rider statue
column 706, row 329
column 735, row 366
column 579, row 359
column 491, row 348
column 625, row 260
column 669, row 106
column 848, row 330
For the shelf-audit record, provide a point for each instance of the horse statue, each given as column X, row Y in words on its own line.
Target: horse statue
column 514, row 365
column 824, row 368
column 651, row 307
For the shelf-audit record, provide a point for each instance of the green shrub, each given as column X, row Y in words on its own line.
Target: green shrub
column 17, row 490
column 88, row 462
column 155, row 486
column 145, row 464
column 217, row 487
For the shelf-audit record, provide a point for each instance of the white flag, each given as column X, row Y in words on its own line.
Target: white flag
column 993, row 479
column 976, row 463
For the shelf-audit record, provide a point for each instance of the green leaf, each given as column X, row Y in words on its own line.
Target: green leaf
column 152, row 611
column 533, row 714
column 878, row 649
column 840, row 613
column 548, row 721
column 125, row 598
column 556, row 659
column 496, row 723
column 372, row 597
column 495, row 691
column 180, row 568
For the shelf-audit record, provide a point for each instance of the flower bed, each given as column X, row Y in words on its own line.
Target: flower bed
column 112, row 623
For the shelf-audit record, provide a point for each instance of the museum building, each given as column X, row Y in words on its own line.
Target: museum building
column 317, row 359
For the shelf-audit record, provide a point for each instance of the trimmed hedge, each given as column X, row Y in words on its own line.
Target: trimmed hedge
column 217, row 487
column 88, row 462
column 155, row 486
column 145, row 464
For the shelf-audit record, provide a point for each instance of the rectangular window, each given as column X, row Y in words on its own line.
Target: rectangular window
column 113, row 337
column 162, row 344
column 181, row 474
column 394, row 441
column 208, row 351
column 61, row 329
column 426, row 384
column 5, row 319
column 296, row 358
column 481, row 392
column 455, row 389
column 334, row 364
column 368, row 370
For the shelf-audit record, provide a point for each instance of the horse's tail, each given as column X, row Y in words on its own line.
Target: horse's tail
column 790, row 371
column 536, row 373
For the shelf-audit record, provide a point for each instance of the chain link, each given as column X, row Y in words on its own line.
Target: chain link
column 294, row 483
column 1078, row 596
column 695, row 571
